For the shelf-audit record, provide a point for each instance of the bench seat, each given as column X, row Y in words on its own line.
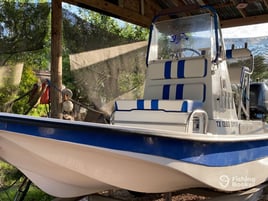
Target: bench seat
column 164, row 105
column 160, row 114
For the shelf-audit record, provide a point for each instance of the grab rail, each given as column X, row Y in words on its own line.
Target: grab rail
column 197, row 122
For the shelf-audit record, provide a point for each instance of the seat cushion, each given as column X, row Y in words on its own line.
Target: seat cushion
column 155, row 104
column 194, row 68
column 196, row 92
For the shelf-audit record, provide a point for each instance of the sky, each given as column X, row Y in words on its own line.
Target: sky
column 257, row 30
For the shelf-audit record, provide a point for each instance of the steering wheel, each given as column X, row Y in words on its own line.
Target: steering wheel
column 183, row 52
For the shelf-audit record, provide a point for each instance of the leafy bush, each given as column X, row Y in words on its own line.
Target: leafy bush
column 10, row 181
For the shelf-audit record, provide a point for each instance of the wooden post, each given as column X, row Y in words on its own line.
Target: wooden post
column 56, row 59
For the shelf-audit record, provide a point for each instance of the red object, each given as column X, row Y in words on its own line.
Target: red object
column 45, row 98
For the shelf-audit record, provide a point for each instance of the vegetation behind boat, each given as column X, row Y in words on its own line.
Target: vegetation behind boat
column 11, row 179
column 105, row 29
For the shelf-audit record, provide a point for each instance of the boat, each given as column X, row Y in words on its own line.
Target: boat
column 190, row 130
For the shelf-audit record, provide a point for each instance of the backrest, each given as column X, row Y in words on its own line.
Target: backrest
column 177, row 80
column 235, row 55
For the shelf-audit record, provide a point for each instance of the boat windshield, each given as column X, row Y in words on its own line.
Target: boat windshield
column 182, row 37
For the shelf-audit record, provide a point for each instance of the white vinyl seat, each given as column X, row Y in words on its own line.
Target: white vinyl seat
column 173, row 90
column 163, row 105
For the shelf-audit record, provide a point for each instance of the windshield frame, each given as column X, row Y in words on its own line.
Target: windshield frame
column 217, row 31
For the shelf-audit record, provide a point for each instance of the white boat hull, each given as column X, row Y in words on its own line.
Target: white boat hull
column 66, row 169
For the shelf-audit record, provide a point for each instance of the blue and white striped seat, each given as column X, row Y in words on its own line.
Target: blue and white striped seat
column 238, row 53
column 177, row 92
column 156, row 114
column 195, row 68
column 164, row 105
column 173, row 90
column 177, row 80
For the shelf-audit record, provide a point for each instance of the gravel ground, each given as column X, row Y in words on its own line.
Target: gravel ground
column 176, row 196
column 255, row 194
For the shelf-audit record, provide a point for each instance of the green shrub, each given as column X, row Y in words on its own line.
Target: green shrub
column 11, row 179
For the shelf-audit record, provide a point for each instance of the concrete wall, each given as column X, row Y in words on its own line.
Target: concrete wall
column 11, row 74
column 108, row 73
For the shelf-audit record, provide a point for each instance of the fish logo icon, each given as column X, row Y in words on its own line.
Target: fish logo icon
column 224, row 181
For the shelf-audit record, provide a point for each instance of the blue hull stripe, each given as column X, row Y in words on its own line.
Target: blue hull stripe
column 203, row 153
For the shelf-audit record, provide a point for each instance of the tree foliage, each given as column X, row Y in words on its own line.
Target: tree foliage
column 7, row 93
column 25, row 37
column 260, row 67
column 88, row 30
column 8, row 174
column 27, row 81
column 23, row 26
column 260, row 71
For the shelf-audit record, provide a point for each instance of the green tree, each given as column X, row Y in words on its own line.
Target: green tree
column 7, row 93
column 27, row 81
column 88, row 30
column 23, row 26
column 260, row 67
column 24, row 37
column 260, row 71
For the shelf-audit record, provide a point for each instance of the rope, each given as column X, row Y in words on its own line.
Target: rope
column 8, row 105
column 78, row 103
